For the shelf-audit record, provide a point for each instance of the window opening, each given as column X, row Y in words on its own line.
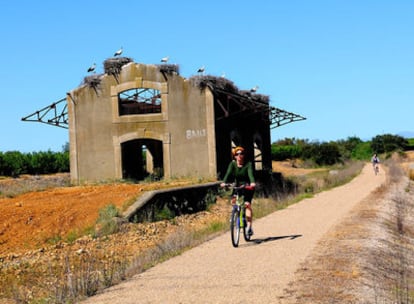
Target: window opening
column 139, row 101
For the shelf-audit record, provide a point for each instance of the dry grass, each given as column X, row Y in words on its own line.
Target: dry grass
column 390, row 264
column 368, row 257
column 411, row 174
column 28, row 183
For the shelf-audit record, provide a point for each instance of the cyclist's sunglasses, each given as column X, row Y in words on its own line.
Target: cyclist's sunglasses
column 239, row 153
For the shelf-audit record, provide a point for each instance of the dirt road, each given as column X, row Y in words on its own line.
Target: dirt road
column 215, row 272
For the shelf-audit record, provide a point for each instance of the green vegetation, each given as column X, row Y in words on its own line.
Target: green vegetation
column 14, row 163
column 341, row 151
column 410, row 144
column 388, row 143
column 106, row 222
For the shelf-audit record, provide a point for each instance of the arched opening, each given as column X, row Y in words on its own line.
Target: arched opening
column 235, row 139
column 258, row 159
column 142, row 158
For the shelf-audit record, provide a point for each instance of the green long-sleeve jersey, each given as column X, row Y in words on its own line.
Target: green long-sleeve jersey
column 240, row 175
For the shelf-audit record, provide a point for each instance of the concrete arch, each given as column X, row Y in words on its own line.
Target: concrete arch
column 130, row 148
column 139, row 134
column 236, row 139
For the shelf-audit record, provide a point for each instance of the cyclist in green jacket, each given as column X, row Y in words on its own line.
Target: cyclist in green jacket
column 240, row 172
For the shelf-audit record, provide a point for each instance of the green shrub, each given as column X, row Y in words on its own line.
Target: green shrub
column 107, row 221
column 285, row 152
column 164, row 214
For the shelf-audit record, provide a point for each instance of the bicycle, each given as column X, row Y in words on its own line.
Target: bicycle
column 376, row 168
column 238, row 220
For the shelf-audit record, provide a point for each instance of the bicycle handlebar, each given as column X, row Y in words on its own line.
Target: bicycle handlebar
column 244, row 186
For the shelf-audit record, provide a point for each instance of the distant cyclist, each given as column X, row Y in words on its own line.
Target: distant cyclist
column 375, row 161
column 241, row 172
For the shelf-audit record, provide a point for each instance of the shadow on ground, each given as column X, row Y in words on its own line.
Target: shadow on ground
column 274, row 238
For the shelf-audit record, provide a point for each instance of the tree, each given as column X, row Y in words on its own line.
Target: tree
column 388, row 143
column 13, row 164
column 326, row 154
column 65, row 147
column 347, row 147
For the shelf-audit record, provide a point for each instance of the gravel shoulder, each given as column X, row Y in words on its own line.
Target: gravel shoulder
column 263, row 269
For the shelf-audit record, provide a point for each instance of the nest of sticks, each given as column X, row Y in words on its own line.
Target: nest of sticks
column 260, row 98
column 223, row 84
column 171, row 69
column 113, row 66
column 93, row 81
column 214, row 83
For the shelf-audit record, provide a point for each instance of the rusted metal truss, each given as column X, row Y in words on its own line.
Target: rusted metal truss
column 280, row 117
column 55, row 114
column 235, row 104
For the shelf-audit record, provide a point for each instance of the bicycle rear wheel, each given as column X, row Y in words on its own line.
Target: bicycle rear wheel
column 235, row 227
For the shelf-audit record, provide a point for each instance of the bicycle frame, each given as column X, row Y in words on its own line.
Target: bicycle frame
column 238, row 217
column 376, row 168
column 241, row 209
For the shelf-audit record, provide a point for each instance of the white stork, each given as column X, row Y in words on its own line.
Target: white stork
column 165, row 59
column 201, row 70
column 254, row 89
column 119, row 52
column 92, row 68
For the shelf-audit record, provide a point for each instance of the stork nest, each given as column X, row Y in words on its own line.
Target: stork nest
column 93, row 81
column 171, row 69
column 113, row 66
column 223, row 84
column 256, row 97
column 214, row 83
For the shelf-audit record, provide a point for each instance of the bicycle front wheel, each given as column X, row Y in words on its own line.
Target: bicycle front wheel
column 235, row 227
column 245, row 231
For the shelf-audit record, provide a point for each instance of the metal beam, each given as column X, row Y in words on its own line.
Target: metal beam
column 55, row 114
column 280, row 117
column 277, row 117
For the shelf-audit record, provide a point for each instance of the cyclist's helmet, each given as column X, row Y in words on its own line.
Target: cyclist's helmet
column 238, row 149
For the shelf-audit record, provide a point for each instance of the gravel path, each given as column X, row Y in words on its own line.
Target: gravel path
column 215, row 272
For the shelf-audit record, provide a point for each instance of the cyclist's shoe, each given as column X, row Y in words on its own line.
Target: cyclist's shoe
column 250, row 232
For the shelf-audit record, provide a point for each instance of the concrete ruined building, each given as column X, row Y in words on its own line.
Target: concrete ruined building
column 136, row 120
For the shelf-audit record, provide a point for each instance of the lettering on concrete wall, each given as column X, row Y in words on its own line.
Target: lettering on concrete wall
column 191, row 134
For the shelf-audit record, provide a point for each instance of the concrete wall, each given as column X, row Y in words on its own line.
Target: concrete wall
column 185, row 127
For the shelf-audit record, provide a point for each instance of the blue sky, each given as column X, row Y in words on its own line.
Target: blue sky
column 347, row 66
